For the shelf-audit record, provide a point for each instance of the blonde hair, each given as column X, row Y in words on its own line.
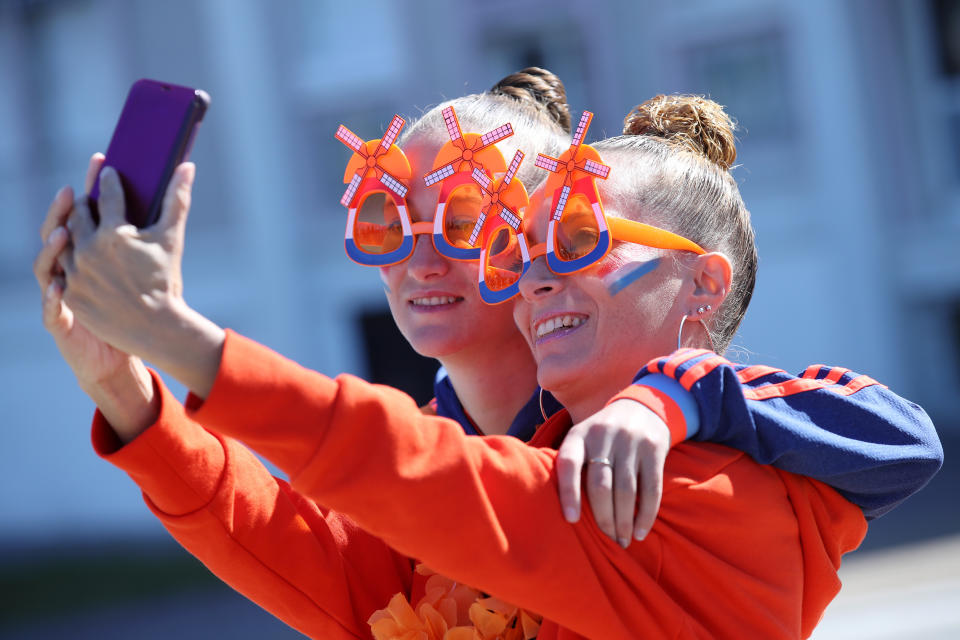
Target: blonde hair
column 672, row 166
column 533, row 100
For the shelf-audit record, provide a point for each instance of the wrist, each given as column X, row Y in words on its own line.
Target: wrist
column 127, row 399
column 661, row 405
column 188, row 346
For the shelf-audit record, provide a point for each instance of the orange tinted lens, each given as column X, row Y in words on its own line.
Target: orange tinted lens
column 504, row 261
column 578, row 231
column 460, row 215
column 377, row 229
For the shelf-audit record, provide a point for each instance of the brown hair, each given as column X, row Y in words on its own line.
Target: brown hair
column 673, row 164
column 533, row 100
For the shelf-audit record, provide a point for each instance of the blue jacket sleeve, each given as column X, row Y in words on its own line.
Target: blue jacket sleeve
column 829, row 423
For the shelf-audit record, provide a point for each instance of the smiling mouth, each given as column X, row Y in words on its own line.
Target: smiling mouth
column 558, row 324
column 435, row 301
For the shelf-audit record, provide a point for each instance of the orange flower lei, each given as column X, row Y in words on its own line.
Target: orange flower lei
column 452, row 611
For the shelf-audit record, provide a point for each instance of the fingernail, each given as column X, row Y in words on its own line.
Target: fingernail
column 570, row 514
column 623, row 542
column 640, row 534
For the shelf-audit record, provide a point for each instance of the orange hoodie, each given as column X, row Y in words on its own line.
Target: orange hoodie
column 739, row 550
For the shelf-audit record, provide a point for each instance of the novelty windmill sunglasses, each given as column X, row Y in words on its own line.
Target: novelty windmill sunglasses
column 579, row 234
column 379, row 229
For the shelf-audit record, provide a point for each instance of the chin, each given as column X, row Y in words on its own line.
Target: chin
column 435, row 342
column 557, row 373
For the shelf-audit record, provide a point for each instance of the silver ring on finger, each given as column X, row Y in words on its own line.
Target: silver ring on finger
column 601, row 460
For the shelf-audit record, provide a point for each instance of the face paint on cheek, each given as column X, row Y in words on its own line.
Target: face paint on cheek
column 619, row 279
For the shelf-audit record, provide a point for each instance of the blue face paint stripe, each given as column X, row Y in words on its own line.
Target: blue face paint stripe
column 624, row 281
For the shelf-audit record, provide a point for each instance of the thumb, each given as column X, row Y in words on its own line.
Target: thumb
column 176, row 201
column 57, row 317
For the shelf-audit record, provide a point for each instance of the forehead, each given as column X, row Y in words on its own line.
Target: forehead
column 420, row 151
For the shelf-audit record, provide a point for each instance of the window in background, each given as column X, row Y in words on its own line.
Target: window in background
column 352, row 48
column 58, row 106
column 558, row 47
column 748, row 75
column 946, row 20
column 945, row 16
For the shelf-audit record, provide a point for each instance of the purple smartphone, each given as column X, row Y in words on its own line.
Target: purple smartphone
column 153, row 135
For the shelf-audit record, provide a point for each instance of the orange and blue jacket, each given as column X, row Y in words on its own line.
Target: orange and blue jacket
column 739, row 549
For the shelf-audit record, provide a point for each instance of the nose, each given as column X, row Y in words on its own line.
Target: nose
column 539, row 281
column 425, row 263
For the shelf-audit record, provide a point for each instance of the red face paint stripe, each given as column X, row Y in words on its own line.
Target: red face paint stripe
column 694, row 373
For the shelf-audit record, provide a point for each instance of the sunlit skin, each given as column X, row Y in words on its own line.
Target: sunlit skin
column 477, row 343
column 585, row 365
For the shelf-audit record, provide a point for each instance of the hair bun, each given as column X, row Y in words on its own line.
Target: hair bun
column 695, row 122
column 540, row 87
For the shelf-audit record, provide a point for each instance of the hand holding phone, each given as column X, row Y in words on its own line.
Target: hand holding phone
column 154, row 134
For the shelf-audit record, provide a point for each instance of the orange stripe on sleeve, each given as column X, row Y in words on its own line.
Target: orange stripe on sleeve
column 799, row 385
column 679, row 358
column 694, row 373
column 858, row 383
column 756, row 371
column 788, row 388
column 653, row 365
column 835, row 374
column 812, row 371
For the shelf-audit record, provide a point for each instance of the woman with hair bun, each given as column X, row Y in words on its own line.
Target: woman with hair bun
column 740, row 549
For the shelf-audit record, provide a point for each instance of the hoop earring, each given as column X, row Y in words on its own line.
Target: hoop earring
column 542, row 411
column 683, row 321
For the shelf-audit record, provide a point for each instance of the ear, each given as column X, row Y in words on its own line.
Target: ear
column 712, row 278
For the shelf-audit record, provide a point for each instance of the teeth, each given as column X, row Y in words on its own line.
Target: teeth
column 558, row 322
column 433, row 301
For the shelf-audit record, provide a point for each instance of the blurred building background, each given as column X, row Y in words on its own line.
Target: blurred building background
column 850, row 153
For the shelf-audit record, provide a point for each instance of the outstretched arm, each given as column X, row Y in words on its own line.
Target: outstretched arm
column 312, row 568
column 115, row 380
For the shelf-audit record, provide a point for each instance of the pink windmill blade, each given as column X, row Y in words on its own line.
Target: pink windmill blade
column 359, row 147
column 513, row 168
column 351, row 190
column 467, row 154
column 396, row 125
column 582, row 128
